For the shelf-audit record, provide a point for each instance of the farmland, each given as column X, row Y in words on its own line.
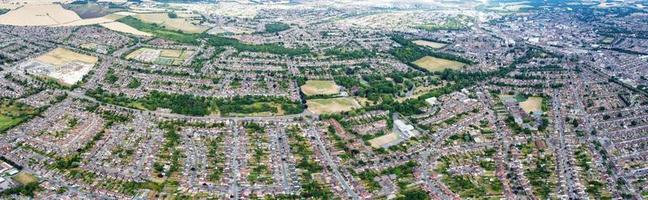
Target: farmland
column 121, row 27
column 176, row 24
column 38, row 15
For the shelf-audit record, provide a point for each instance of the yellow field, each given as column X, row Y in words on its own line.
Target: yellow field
column 532, row 104
column 121, row 27
column 25, row 178
column 434, row 45
column 383, row 140
column 433, row 64
column 184, row 25
column 333, row 105
column 39, row 15
column 62, row 56
column 324, row 87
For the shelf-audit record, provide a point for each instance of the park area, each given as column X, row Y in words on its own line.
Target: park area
column 160, row 56
column 433, row 64
column 320, row 87
column 333, row 105
column 434, row 45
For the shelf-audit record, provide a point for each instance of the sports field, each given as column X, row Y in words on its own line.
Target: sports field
column 433, row 64
column 320, row 87
column 160, row 56
column 532, row 104
column 333, row 105
column 25, row 178
column 384, row 141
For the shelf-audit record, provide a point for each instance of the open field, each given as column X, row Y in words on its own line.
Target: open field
column 433, row 64
column 180, row 24
column 333, row 105
column 384, row 141
column 532, row 104
column 25, row 178
column 160, row 56
column 39, row 15
column 320, row 87
column 12, row 114
column 45, row 14
column 434, row 45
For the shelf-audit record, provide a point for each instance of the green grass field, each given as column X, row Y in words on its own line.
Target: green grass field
column 332, row 105
column 13, row 113
column 25, row 178
column 433, row 64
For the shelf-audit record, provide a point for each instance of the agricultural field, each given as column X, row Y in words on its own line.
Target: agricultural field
column 320, row 87
column 433, row 64
column 532, row 104
column 434, row 45
column 91, row 10
column 160, row 56
column 13, row 113
column 332, row 105
column 178, row 24
column 39, row 15
column 66, row 66
column 121, row 27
